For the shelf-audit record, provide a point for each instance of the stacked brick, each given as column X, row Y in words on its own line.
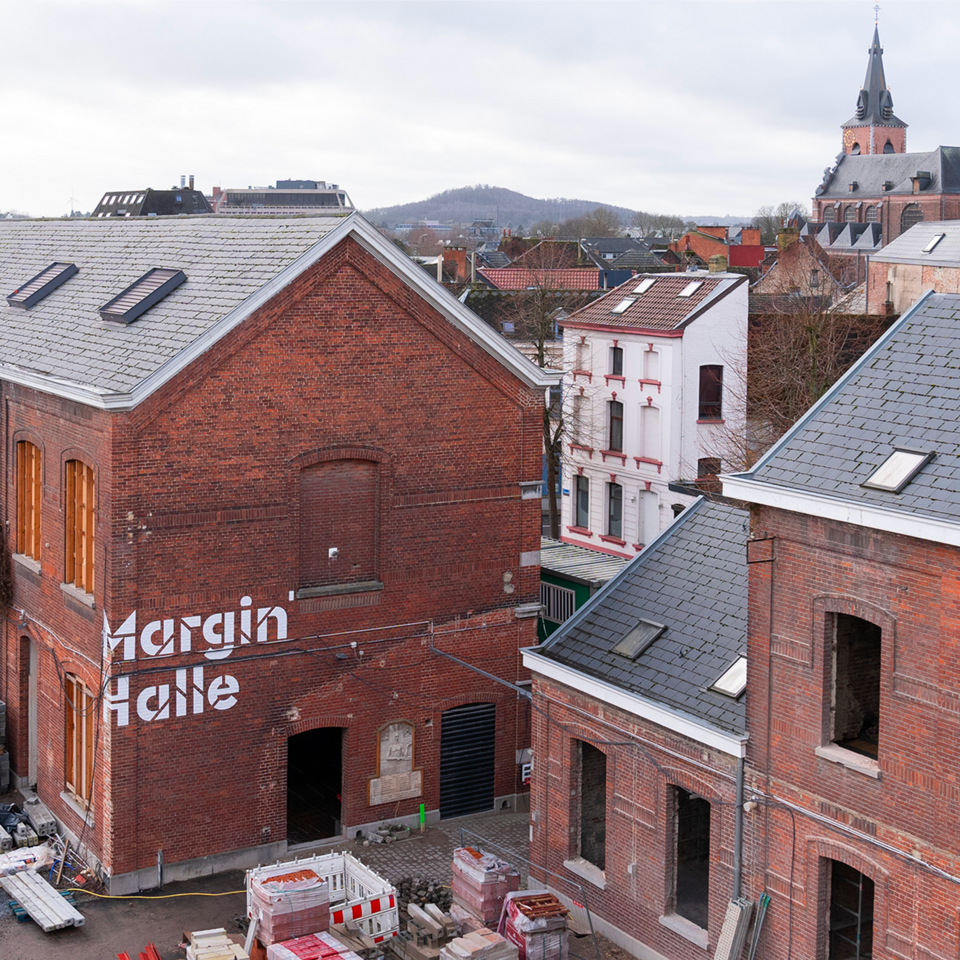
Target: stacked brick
column 289, row 904
column 480, row 884
column 315, row 946
column 479, row 945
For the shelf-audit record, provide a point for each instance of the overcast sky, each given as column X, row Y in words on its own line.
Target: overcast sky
column 677, row 107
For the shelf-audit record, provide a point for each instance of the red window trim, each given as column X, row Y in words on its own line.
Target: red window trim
column 622, row 457
column 614, row 376
column 608, row 539
column 712, row 420
column 655, row 463
column 580, row 531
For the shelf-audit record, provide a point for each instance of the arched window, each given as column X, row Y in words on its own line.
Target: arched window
column 870, row 214
column 855, row 149
column 888, row 147
column 829, row 214
column 910, row 215
column 850, row 214
column 339, row 502
column 79, row 523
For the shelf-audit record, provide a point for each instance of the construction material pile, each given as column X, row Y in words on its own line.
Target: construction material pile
column 289, row 903
column 536, row 922
column 421, row 891
column 480, row 884
column 215, row 944
column 428, row 929
column 315, row 946
column 479, row 945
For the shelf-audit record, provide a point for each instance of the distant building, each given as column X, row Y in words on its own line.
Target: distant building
column 153, row 203
column 287, row 197
column 740, row 245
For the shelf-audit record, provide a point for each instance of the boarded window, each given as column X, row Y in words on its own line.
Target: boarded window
column 338, row 522
column 29, row 488
column 593, row 805
column 79, row 707
column 856, row 684
column 650, row 432
column 711, row 392
column 79, row 525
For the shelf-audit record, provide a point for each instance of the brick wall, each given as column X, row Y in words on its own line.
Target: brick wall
column 199, row 506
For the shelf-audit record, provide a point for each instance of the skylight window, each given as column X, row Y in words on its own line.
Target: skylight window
column 933, row 242
column 691, row 288
column 139, row 297
column 44, row 283
column 897, row 470
column 644, row 285
column 624, row 304
column 733, row 681
column 638, row 638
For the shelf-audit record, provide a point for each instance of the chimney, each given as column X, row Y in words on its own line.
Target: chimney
column 191, row 181
column 718, row 263
column 183, row 181
column 786, row 236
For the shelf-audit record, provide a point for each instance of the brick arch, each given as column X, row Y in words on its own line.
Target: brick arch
column 677, row 777
column 339, row 452
column 826, row 603
column 314, row 722
column 25, row 435
column 830, row 849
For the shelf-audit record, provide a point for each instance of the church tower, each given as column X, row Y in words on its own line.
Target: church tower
column 874, row 128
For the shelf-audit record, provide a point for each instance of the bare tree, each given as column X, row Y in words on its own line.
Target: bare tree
column 768, row 220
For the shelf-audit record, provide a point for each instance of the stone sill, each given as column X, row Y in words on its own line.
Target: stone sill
column 28, row 563
column 849, row 759
column 686, row 929
column 81, row 596
column 587, row 871
column 334, row 589
column 83, row 811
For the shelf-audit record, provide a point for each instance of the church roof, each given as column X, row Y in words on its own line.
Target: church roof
column 871, row 171
column 874, row 104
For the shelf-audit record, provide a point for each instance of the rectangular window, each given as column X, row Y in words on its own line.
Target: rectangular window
column 614, row 510
column 692, row 871
column 558, row 602
column 29, row 488
column 616, row 425
column 856, row 684
column 79, row 708
column 79, row 525
column 711, row 392
column 650, row 432
column 593, row 805
column 583, row 502
column 708, row 467
column 851, row 913
column 616, row 361
column 651, row 365
column 554, row 402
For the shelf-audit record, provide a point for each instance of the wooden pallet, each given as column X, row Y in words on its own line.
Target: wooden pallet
column 38, row 900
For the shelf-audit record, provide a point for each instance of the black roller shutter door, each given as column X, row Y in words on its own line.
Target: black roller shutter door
column 467, row 750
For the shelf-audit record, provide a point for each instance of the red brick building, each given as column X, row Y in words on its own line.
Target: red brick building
column 258, row 472
column 852, row 705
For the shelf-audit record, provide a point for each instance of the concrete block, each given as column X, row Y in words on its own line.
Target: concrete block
column 40, row 817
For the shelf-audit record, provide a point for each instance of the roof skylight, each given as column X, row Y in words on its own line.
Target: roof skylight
column 638, row 638
column 898, row 470
column 45, row 282
column 733, row 681
column 691, row 288
column 624, row 304
column 933, row 242
column 644, row 285
column 140, row 296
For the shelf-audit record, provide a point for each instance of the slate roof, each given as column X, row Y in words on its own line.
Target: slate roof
column 903, row 392
column 516, row 278
column 874, row 103
column 908, row 247
column 231, row 264
column 579, row 563
column 660, row 308
column 640, row 261
column 872, row 170
column 693, row 580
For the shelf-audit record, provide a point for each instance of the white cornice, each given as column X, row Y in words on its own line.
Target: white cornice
column 638, row 706
column 385, row 251
column 846, row 511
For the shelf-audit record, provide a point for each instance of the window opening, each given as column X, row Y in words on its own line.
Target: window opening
column 583, row 502
column 314, row 784
column 79, row 710
column 140, row 296
column 856, row 684
column 870, row 214
column 29, row 489
column 829, row 215
column 558, row 603
column 692, row 891
column 614, row 510
column 616, row 361
column 616, row 425
column 79, row 526
column 850, row 214
column 711, row 392
column 911, row 215
column 40, row 286
column 851, row 913
column 638, row 638
column 708, row 467
column 593, row 805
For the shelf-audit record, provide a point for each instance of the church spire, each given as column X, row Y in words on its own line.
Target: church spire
column 874, row 128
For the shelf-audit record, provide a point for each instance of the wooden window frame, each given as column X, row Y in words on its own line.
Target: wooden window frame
column 79, row 744
column 29, row 498
column 79, row 523
column 615, row 425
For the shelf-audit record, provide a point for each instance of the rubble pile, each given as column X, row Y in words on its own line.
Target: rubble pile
column 421, row 891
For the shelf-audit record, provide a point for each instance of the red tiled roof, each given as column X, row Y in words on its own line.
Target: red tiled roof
column 659, row 308
column 513, row 279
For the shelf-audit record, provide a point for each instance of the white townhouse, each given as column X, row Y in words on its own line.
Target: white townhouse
column 654, row 393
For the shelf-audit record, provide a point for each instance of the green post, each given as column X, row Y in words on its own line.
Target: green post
column 423, row 817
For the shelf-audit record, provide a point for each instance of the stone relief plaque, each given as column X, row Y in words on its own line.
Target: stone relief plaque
column 396, row 777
